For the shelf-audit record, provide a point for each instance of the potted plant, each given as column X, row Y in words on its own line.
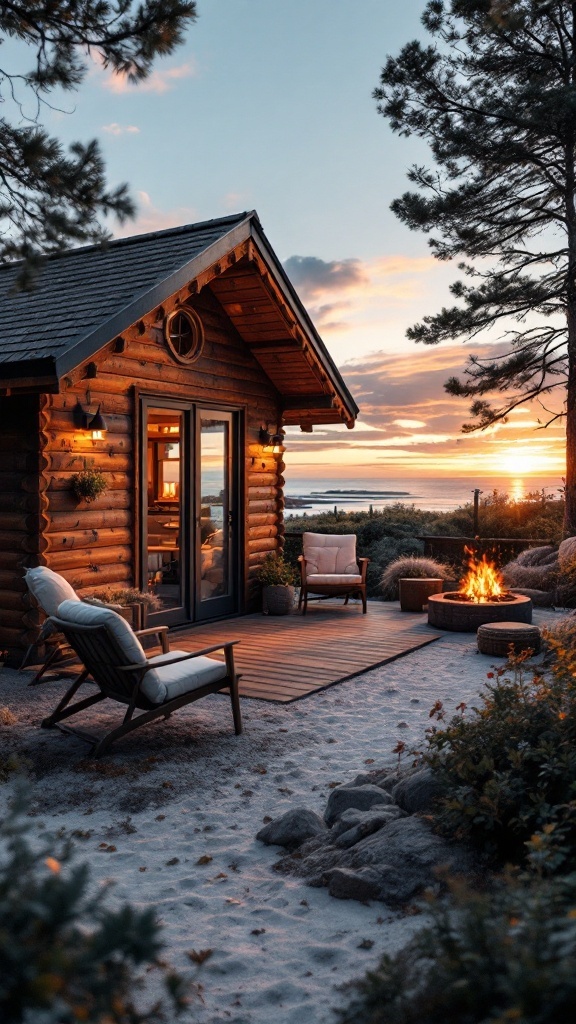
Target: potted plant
column 277, row 578
column 130, row 602
column 88, row 484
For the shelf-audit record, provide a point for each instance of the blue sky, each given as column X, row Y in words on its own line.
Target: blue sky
column 268, row 106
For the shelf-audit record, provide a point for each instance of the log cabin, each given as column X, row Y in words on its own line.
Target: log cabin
column 168, row 364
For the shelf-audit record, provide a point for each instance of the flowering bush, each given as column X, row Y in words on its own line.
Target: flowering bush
column 509, row 769
column 508, row 955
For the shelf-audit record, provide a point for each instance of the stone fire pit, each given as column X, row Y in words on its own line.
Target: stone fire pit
column 450, row 611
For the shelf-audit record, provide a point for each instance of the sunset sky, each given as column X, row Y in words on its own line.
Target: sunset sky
column 268, row 106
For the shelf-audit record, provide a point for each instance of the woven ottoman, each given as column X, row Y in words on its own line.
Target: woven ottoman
column 495, row 638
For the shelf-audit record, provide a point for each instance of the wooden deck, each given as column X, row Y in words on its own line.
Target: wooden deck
column 285, row 658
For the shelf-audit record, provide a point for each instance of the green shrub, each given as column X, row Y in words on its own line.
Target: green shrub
column 497, row 958
column 275, row 571
column 65, row 958
column 509, row 769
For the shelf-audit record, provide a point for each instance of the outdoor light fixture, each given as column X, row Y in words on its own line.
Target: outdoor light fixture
column 91, row 422
column 98, row 426
column 271, row 442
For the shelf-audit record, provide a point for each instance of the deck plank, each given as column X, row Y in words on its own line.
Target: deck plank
column 286, row 658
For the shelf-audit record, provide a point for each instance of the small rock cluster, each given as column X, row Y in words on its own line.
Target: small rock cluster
column 375, row 840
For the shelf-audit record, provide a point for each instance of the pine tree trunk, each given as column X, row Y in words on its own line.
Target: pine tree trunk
column 570, row 510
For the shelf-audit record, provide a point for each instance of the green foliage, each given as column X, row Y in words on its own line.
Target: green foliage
column 275, row 571
column 411, row 568
column 508, row 955
column 492, row 95
column 508, row 770
column 391, row 533
column 52, row 198
column 66, row 958
column 88, row 485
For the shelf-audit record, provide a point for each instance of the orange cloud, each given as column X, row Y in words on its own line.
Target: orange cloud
column 158, row 82
column 118, row 129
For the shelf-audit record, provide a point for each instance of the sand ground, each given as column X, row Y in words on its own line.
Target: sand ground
column 171, row 817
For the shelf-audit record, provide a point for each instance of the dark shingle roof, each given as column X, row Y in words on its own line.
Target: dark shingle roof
column 83, row 297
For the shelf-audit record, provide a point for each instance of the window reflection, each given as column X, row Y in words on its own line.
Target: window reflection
column 164, row 506
column 214, row 508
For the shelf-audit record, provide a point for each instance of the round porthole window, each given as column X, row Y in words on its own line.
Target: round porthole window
column 184, row 335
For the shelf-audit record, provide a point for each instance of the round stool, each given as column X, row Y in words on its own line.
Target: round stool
column 414, row 593
column 496, row 638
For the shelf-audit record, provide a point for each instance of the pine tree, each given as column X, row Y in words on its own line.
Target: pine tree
column 65, row 957
column 494, row 95
column 51, row 198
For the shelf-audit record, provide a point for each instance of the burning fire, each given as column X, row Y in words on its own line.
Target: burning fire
column 483, row 582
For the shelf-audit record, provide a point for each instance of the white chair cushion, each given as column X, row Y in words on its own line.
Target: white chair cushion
column 160, row 684
column 94, row 615
column 344, row 578
column 170, row 681
column 330, row 552
column 49, row 588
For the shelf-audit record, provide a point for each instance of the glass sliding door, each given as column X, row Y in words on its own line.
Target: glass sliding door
column 190, row 550
column 217, row 519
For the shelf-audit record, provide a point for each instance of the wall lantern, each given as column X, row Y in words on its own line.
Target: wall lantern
column 271, row 442
column 91, row 422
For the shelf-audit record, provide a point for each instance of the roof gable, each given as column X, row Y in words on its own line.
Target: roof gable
column 86, row 298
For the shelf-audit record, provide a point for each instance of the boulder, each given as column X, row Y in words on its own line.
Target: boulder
column 393, row 864
column 292, row 828
column 417, row 793
column 365, row 824
column 406, row 856
column 345, row 884
column 361, row 797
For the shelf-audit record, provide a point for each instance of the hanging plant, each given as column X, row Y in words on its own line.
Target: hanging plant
column 88, row 485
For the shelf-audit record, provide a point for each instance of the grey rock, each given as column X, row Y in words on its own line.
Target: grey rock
column 374, row 778
column 361, row 797
column 404, row 855
column 369, row 822
column 345, row 884
column 416, row 793
column 292, row 828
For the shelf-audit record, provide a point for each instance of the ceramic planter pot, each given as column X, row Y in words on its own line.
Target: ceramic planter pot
column 277, row 600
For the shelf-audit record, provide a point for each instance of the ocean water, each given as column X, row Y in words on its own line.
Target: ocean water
column 440, row 494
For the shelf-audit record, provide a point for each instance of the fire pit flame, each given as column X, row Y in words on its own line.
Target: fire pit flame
column 483, row 582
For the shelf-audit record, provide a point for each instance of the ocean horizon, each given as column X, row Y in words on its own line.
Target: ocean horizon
column 437, row 494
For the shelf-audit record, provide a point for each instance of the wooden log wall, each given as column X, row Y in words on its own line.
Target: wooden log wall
column 22, row 518
column 94, row 544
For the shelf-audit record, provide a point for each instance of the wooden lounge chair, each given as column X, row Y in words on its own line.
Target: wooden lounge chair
column 329, row 567
column 113, row 656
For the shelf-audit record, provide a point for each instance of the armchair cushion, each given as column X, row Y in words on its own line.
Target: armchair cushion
column 330, row 553
column 162, row 683
column 96, row 615
column 169, row 681
column 49, row 588
column 344, row 579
